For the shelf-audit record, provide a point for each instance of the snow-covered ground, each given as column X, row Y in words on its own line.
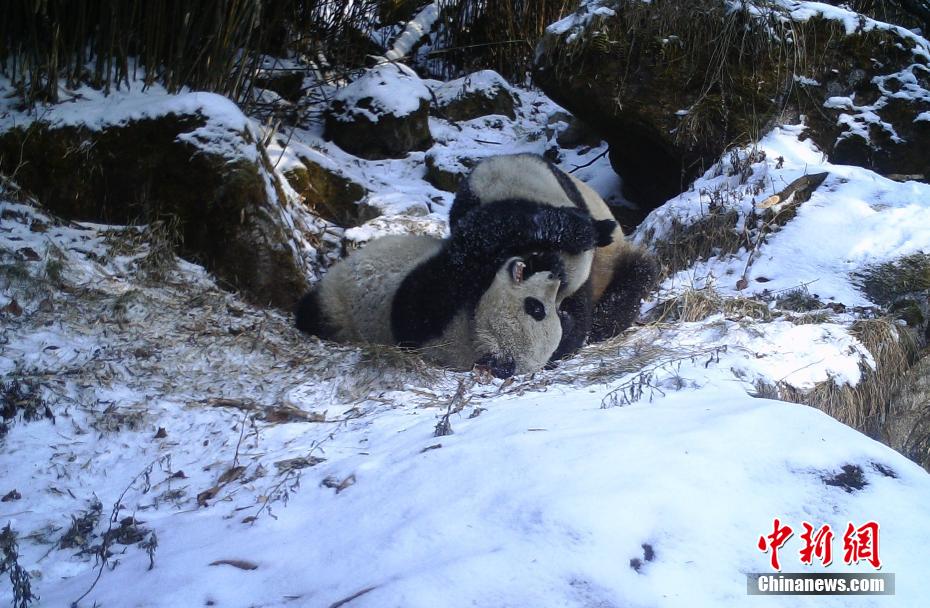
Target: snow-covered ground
column 856, row 219
column 277, row 470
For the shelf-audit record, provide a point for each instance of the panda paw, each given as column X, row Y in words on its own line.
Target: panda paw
column 605, row 232
column 500, row 366
column 568, row 229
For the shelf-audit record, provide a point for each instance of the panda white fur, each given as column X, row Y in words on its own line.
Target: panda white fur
column 461, row 301
column 603, row 287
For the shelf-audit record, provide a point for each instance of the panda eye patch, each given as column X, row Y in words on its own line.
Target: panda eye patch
column 534, row 308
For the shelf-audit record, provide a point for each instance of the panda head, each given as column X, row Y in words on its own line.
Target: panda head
column 517, row 326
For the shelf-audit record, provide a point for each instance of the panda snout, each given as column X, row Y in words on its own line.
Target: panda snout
column 500, row 366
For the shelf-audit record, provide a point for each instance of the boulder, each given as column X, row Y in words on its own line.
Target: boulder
column 673, row 85
column 382, row 114
column 289, row 84
column 209, row 178
column 446, row 168
column 570, row 133
column 480, row 94
column 330, row 194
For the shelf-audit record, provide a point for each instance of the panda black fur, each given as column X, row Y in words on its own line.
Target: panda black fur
column 603, row 288
column 466, row 300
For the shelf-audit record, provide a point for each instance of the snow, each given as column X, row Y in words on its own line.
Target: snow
column 389, row 88
column 398, row 187
column 414, row 31
column 855, row 220
column 92, row 109
column 852, row 21
column 577, row 21
column 543, row 499
column 221, row 133
column 483, row 82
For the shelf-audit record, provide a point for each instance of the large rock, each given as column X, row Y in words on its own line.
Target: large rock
column 330, row 194
column 672, row 85
column 447, row 167
column 289, row 84
column 382, row 114
column 211, row 176
column 480, row 94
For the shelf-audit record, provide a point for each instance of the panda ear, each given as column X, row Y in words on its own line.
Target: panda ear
column 604, row 229
column 517, row 270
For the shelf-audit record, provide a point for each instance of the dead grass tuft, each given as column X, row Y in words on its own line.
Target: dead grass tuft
column 699, row 304
column 164, row 237
column 907, row 426
column 885, row 283
column 798, row 300
column 383, row 358
column 714, row 234
column 864, row 405
column 812, row 318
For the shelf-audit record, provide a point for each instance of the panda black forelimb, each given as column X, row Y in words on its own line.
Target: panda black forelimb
column 575, row 314
column 311, row 319
column 497, row 230
column 634, row 274
column 605, row 232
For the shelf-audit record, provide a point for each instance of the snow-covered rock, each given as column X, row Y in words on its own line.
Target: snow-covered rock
column 328, row 192
column 479, row 94
column 191, row 160
column 671, row 88
column 382, row 114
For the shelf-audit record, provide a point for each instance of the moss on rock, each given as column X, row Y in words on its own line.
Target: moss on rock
column 389, row 136
column 672, row 85
column 331, row 195
column 141, row 172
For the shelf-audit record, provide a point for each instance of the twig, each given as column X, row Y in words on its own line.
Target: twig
column 107, row 536
column 354, row 596
column 592, row 161
column 245, row 415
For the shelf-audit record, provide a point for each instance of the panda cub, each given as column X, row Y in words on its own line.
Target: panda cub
column 464, row 301
column 603, row 288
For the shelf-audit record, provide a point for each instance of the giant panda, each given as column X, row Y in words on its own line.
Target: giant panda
column 463, row 301
column 603, row 288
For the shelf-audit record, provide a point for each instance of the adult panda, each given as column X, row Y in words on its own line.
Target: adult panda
column 603, row 287
column 463, row 301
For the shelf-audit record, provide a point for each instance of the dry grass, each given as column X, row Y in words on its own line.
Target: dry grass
column 20, row 579
column 714, row 234
column 698, row 304
column 864, row 405
column 887, row 282
column 164, row 238
column 499, row 35
column 812, row 318
column 907, row 426
column 213, row 45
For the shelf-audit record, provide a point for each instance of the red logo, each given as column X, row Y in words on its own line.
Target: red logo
column 775, row 541
column 859, row 544
column 819, row 544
